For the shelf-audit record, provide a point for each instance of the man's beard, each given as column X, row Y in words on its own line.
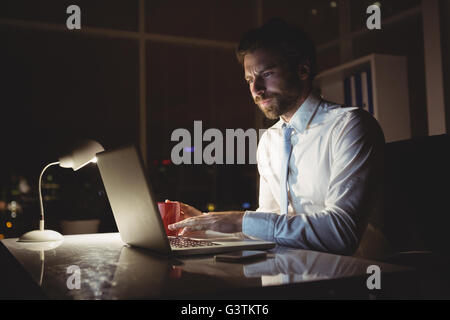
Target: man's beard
column 279, row 104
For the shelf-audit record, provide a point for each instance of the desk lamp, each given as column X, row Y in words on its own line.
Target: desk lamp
column 81, row 155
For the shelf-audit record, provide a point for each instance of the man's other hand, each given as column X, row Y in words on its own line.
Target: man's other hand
column 186, row 210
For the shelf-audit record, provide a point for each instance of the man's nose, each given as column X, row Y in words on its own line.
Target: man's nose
column 258, row 87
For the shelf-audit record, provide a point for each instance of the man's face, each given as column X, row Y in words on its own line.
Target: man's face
column 274, row 88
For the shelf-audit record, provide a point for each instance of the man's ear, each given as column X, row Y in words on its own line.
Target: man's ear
column 304, row 71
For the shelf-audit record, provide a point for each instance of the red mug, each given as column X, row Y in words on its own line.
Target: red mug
column 170, row 213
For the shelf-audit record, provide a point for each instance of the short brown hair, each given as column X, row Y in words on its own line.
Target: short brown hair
column 288, row 41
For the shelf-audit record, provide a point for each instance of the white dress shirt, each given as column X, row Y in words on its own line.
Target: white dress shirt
column 335, row 175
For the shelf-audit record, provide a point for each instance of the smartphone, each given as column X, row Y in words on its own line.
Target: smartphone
column 241, row 256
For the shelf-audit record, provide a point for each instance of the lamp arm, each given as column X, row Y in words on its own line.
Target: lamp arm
column 41, row 223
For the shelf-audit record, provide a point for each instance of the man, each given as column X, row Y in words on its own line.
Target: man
column 320, row 164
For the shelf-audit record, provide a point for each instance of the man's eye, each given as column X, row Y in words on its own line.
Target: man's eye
column 267, row 74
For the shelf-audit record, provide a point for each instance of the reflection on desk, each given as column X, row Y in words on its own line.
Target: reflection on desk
column 301, row 266
column 112, row 270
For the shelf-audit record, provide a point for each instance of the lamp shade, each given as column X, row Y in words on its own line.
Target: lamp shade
column 83, row 153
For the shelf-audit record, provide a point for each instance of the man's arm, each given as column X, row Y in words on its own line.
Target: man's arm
column 357, row 150
column 227, row 221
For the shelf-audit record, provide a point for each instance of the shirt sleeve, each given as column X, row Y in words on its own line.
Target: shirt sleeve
column 357, row 157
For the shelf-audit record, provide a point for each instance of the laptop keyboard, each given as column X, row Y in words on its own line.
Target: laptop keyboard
column 179, row 242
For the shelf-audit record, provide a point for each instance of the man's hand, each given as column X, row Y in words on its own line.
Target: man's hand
column 187, row 211
column 226, row 222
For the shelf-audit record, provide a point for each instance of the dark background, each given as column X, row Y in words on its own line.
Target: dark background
column 59, row 85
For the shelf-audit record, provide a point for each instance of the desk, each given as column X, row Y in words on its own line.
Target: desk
column 109, row 269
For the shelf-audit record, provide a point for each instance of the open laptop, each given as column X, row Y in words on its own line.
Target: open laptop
column 136, row 213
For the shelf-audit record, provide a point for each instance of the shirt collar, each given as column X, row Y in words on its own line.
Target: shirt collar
column 304, row 114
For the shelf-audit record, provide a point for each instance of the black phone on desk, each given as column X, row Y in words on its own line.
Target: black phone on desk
column 241, row 256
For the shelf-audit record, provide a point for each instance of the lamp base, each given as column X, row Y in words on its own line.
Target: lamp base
column 41, row 236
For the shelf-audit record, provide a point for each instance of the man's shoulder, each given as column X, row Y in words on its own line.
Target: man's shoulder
column 359, row 115
column 339, row 112
column 335, row 109
column 359, row 122
column 346, row 117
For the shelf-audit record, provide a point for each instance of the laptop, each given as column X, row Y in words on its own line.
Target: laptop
column 137, row 216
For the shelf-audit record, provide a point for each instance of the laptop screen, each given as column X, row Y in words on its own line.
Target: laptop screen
column 131, row 199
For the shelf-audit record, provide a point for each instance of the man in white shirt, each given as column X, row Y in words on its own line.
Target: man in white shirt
column 320, row 165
